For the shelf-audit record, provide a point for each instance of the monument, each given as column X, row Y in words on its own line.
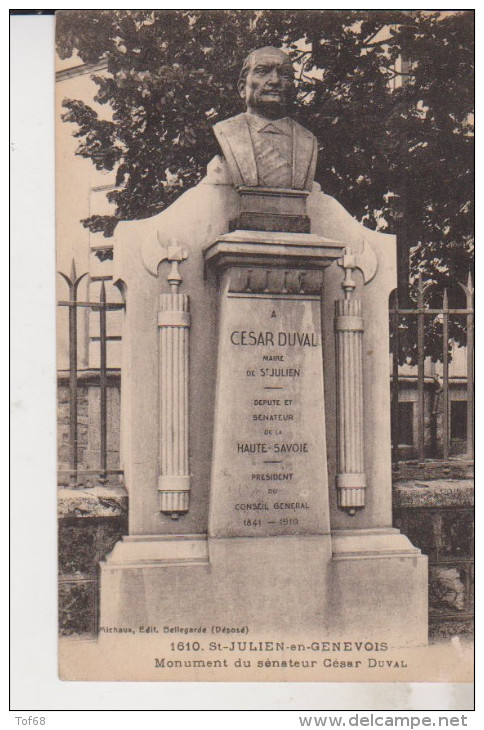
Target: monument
column 255, row 401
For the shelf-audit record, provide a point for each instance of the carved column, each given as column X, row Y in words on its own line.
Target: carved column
column 348, row 325
column 173, row 325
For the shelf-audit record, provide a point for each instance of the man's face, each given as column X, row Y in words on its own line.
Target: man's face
column 269, row 85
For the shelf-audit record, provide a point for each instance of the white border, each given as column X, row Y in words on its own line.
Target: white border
column 35, row 686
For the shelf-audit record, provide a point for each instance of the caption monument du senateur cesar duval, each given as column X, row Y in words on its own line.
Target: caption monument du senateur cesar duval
column 256, row 425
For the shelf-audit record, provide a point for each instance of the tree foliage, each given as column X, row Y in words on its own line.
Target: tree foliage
column 397, row 156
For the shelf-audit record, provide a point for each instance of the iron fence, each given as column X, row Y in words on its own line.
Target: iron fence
column 102, row 306
column 413, row 323
column 444, row 532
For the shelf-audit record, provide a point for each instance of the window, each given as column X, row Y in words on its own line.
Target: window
column 405, row 423
column 458, row 419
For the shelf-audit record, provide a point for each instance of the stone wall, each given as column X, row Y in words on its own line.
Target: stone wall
column 91, row 521
column 63, row 423
column 88, row 423
column 92, row 516
column 438, row 517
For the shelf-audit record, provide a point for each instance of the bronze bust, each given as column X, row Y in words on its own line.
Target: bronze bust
column 264, row 147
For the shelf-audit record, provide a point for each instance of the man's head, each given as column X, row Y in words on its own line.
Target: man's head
column 266, row 82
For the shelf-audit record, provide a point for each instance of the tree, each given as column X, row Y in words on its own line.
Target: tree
column 398, row 157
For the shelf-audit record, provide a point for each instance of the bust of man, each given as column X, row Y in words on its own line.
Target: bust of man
column 264, row 147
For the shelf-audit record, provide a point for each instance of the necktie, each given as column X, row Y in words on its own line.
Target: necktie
column 273, row 156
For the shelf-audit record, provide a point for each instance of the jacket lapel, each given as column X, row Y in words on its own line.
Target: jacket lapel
column 241, row 145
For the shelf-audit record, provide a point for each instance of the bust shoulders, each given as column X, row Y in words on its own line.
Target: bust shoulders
column 234, row 125
column 302, row 131
column 236, row 145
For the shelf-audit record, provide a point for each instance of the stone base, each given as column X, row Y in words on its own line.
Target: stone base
column 380, row 586
column 268, row 584
column 272, row 209
column 271, row 222
column 372, row 587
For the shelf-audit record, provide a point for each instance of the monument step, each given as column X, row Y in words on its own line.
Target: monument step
column 369, row 543
column 157, row 550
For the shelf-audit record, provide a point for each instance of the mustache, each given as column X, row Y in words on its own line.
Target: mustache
column 287, row 93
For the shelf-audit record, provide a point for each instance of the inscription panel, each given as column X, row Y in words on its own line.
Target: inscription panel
column 269, row 472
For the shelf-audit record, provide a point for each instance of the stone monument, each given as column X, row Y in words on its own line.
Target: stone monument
column 255, row 400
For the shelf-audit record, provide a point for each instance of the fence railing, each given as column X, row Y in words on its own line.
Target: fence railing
column 405, row 321
column 102, row 306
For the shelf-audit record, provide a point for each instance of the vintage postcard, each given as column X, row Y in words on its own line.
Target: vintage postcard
column 265, row 345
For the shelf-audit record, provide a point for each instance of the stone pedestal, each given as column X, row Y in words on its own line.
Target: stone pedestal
column 272, row 209
column 365, row 585
column 189, row 581
column 269, row 474
column 378, row 583
column 288, row 528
